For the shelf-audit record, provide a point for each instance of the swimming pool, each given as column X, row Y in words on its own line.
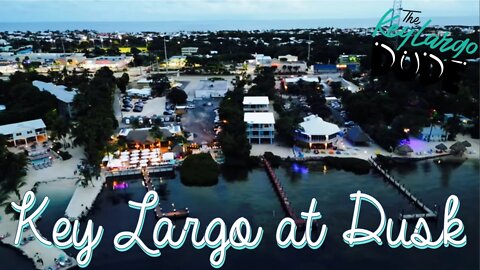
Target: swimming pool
column 39, row 161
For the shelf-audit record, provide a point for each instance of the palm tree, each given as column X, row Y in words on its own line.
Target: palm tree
column 156, row 134
column 87, row 174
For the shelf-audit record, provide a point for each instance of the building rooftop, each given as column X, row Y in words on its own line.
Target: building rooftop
column 314, row 125
column 208, row 85
column 22, row 126
column 259, row 118
column 256, row 100
column 59, row 91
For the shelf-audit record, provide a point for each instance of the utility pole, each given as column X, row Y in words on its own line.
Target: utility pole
column 309, row 49
column 165, row 50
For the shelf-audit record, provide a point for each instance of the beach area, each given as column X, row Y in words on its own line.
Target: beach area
column 421, row 150
column 61, row 177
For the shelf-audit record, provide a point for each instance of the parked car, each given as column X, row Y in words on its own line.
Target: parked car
column 139, row 103
column 349, row 124
column 126, row 109
column 191, row 106
column 127, row 121
column 167, row 112
column 140, row 121
column 138, row 109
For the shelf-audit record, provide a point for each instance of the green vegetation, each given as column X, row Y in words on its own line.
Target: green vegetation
column 160, row 84
column 199, row 170
column 233, row 137
column 177, row 96
column 96, row 119
column 24, row 101
column 274, row 160
column 122, row 82
column 358, row 166
column 12, row 170
column 390, row 109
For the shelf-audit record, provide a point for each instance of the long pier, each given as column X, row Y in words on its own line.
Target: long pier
column 282, row 196
column 428, row 213
column 148, row 183
column 158, row 210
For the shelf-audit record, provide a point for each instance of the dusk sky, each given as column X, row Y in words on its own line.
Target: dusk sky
column 197, row 10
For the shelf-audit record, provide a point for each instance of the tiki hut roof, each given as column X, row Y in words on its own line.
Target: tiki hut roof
column 458, row 147
column 403, row 149
column 442, row 147
column 140, row 137
column 467, row 143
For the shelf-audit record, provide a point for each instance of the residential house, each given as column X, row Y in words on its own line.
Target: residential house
column 260, row 127
column 64, row 97
column 256, row 104
column 23, row 133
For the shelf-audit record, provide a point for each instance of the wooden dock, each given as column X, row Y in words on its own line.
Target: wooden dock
column 138, row 171
column 427, row 212
column 175, row 214
column 282, row 196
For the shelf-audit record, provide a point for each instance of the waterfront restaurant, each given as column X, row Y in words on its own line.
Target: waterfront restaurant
column 23, row 133
column 316, row 133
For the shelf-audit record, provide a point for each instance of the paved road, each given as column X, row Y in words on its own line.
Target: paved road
column 200, row 120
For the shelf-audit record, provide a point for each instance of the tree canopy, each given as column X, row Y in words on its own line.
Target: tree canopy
column 177, row 96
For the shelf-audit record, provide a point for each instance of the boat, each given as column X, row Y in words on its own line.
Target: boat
column 177, row 214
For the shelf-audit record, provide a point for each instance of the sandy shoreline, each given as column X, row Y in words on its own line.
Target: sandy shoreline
column 60, row 172
column 365, row 152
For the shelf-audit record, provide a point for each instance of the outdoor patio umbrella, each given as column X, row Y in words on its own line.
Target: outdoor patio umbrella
column 458, row 147
column 466, row 143
column 404, row 149
column 442, row 147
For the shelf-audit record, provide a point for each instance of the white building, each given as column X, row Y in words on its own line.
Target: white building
column 288, row 58
column 289, row 67
column 115, row 63
column 260, row 127
column 316, row 133
column 64, row 97
column 144, row 92
column 256, row 104
column 263, row 60
column 177, row 62
column 209, row 88
column 187, row 51
column 25, row 132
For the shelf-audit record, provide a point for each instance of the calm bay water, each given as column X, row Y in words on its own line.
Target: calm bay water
column 175, row 26
column 255, row 199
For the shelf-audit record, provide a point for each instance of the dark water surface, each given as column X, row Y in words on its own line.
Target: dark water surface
column 255, row 200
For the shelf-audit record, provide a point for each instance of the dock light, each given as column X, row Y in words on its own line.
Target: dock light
column 406, row 130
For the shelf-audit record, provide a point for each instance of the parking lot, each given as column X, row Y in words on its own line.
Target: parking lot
column 200, row 120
